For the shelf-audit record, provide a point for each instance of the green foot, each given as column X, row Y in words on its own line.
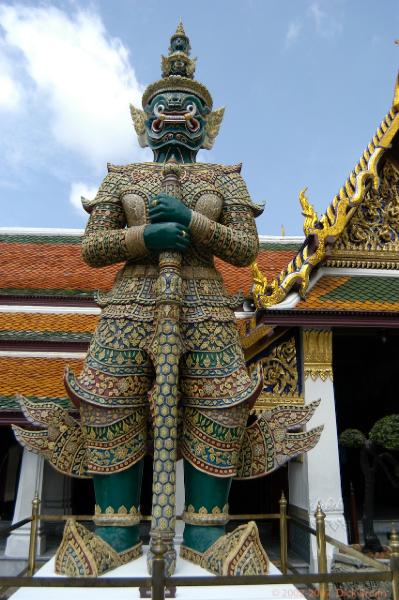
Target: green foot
column 201, row 538
column 120, row 538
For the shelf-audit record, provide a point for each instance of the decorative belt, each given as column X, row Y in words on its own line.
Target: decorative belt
column 111, row 517
column 188, row 272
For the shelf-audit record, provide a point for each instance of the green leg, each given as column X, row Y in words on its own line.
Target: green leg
column 116, row 490
column 203, row 490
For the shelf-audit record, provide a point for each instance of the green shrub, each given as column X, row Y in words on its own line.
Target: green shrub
column 352, row 438
column 385, row 432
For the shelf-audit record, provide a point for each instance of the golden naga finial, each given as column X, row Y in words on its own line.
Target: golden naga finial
column 260, row 281
column 395, row 101
column 308, row 212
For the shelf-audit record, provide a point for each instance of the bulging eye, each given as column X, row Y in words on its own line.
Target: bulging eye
column 158, row 109
column 191, row 108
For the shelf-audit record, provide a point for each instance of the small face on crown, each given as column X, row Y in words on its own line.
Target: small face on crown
column 178, row 67
column 176, row 119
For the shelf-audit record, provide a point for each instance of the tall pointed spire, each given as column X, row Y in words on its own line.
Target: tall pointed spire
column 178, row 62
column 180, row 30
column 178, row 71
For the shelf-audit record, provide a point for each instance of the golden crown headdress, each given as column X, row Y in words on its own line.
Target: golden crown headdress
column 178, row 76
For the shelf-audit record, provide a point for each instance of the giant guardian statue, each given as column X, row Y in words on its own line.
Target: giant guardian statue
column 165, row 372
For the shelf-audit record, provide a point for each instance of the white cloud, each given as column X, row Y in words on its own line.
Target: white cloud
column 293, row 31
column 327, row 25
column 9, row 90
column 82, row 81
column 9, row 94
column 79, row 189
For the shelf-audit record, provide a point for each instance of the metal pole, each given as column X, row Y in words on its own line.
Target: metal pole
column 394, row 563
column 353, row 515
column 158, row 568
column 33, row 535
column 283, row 534
column 321, row 549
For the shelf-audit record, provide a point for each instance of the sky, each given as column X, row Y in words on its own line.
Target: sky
column 305, row 84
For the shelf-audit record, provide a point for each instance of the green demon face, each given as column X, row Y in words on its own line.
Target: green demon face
column 176, row 120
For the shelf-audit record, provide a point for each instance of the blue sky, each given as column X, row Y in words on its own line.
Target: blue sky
column 305, row 84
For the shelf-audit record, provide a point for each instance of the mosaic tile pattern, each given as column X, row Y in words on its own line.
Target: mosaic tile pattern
column 356, row 293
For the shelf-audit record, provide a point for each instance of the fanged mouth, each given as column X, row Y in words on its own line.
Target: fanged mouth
column 175, row 118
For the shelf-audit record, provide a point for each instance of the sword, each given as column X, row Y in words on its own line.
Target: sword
column 166, row 349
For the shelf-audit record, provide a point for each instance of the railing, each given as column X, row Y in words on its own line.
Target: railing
column 158, row 582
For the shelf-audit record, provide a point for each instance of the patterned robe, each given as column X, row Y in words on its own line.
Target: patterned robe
column 114, row 387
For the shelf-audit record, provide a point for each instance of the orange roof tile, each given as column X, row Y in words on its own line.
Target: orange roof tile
column 50, row 267
column 270, row 263
column 34, row 377
column 34, row 322
column 50, row 264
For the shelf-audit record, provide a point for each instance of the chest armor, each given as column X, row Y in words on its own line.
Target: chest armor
column 197, row 187
column 204, row 296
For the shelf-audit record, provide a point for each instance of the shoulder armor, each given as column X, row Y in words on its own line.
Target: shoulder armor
column 215, row 167
column 131, row 167
column 234, row 185
column 232, row 168
column 109, row 191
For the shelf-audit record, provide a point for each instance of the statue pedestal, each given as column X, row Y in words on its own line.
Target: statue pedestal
column 138, row 568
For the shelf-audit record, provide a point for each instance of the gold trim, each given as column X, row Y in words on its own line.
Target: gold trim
column 321, row 233
column 363, row 260
column 265, row 402
column 217, row 516
column 180, row 84
column 122, row 516
column 317, row 354
column 237, row 553
column 135, row 241
column 84, row 554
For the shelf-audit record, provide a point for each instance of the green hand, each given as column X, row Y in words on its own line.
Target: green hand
column 164, row 208
column 166, row 236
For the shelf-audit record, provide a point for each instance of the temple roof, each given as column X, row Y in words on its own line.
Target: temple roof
column 47, row 263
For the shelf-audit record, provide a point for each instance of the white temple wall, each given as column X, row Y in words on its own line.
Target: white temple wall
column 317, row 478
column 30, row 482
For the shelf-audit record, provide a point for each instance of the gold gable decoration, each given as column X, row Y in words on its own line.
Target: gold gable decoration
column 371, row 239
column 322, row 233
column 280, row 378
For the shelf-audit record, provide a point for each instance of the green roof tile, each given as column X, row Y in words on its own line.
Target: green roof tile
column 364, row 288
